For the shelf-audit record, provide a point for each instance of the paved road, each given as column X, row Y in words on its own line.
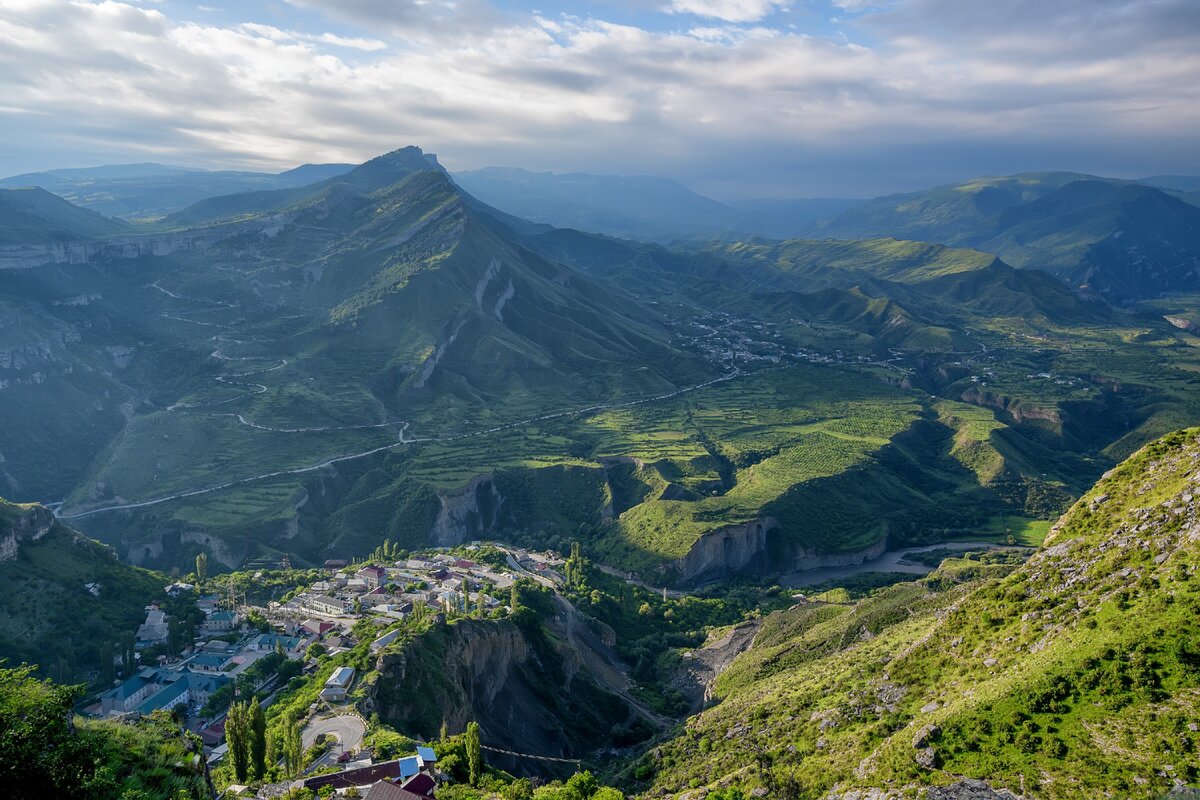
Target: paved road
column 348, row 729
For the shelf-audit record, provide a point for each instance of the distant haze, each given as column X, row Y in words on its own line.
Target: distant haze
column 735, row 99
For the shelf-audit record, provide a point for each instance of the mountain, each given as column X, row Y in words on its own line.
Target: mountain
column 635, row 206
column 56, row 582
column 787, row 219
column 149, row 191
column 376, row 313
column 1120, row 240
column 295, row 374
column 35, row 216
column 1182, row 183
column 983, row 676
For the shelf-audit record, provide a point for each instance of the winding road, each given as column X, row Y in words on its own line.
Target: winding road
column 348, row 729
column 402, row 439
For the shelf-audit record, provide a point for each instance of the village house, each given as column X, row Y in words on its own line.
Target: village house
column 267, row 642
column 338, row 684
column 220, row 622
column 324, row 604
column 374, row 576
column 154, row 629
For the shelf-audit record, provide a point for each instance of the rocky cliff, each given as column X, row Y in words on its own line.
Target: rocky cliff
column 20, row 524
column 513, row 679
column 466, row 513
column 755, row 547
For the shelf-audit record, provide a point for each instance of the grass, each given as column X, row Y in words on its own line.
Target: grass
column 1023, row 531
column 1072, row 675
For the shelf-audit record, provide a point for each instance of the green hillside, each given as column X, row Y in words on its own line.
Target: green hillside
column 45, row 752
column 34, row 216
column 1075, row 674
column 1122, row 240
column 381, row 356
column 45, row 569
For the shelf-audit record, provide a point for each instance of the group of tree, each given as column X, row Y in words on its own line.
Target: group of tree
column 576, row 567
column 388, row 551
column 246, row 736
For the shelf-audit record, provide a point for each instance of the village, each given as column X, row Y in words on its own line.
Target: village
column 264, row 651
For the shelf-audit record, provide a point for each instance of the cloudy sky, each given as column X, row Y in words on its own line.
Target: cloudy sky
column 736, row 98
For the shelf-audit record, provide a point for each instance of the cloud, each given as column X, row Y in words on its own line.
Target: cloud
column 727, row 10
column 741, row 108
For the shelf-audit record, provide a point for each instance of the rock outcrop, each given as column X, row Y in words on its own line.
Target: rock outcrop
column 516, row 682
column 726, row 551
column 466, row 513
column 22, row 524
column 749, row 548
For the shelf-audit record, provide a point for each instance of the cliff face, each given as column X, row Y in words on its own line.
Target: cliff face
column 749, row 548
column 131, row 246
column 466, row 513
column 19, row 524
column 512, row 679
column 737, row 548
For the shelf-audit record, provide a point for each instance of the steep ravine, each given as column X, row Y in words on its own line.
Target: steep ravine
column 522, row 685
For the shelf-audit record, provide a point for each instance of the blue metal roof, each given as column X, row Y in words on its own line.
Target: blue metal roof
column 427, row 755
column 164, row 699
column 409, row 766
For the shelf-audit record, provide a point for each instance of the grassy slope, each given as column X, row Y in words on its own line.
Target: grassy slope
column 44, row 601
column 1074, row 675
column 34, row 216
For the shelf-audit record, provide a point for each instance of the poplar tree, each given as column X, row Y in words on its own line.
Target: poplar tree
column 237, row 736
column 258, row 739
column 474, row 752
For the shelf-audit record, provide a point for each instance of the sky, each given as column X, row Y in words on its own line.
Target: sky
column 734, row 98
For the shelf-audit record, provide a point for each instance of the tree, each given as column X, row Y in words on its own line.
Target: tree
column 237, row 736
column 258, row 739
column 520, row 789
column 514, row 598
column 474, row 752
column 608, row 793
column 128, row 659
column 201, row 568
column 584, row 783
column 107, row 674
column 293, row 747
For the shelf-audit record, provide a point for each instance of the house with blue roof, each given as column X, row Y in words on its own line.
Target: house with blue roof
column 409, row 766
column 208, row 662
column 152, row 689
column 128, row 695
column 220, row 622
column 266, row 643
column 170, row 696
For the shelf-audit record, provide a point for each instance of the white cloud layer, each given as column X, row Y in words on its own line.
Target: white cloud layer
column 733, row 108
column 728, row 10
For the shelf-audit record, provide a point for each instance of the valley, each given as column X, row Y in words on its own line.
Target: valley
column 715, row 517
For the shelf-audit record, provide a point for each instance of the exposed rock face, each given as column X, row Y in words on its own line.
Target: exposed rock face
column 466, row 513
column 726, row 551
column 1009, row 406
column 747, row 548
column 809, row 558
column 133, row 246
column 525, row 692
column 28, row 525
